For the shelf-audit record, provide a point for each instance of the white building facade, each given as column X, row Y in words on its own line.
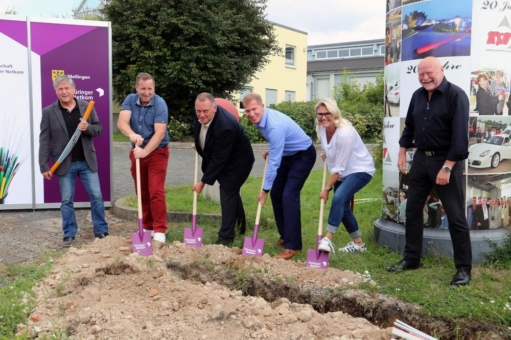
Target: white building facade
column 326, row 65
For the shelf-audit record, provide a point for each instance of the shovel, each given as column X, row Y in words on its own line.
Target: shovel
column 254, row 246
column 193, row 235
column 315, row 257
column 141, row 240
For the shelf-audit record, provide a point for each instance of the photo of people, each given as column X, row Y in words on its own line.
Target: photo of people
column 393, row 4
column 393, row 37
column 390, row 195
column 434, row 216
column 489, row 92
column 436, row 28
column 488, row 200
column 489, row 144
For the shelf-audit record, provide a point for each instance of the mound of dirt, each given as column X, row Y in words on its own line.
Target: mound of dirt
column 103, row 291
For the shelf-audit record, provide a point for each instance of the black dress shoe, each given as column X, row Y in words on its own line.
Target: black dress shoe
column 461, row 278
column 403, row 265
column 224, row 241
column 67, row 241
column 102, row 235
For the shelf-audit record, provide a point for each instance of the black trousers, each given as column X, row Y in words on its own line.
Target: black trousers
column 421, row 179
column 285, row 195
column 232, row 212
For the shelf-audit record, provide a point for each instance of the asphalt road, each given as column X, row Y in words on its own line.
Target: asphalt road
column 180, row 169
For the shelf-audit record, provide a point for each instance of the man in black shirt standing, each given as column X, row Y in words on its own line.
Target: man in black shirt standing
column 436, row 124
column 58, row 123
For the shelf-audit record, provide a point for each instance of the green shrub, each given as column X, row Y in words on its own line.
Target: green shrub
column 362, row 105
column 501, row 256
column 178, row 130
column 302, row 113
column 251, row 130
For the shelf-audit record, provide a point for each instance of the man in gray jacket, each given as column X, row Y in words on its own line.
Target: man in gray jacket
column 58, row 124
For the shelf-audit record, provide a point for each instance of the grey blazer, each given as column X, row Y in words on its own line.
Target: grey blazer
column 53, row 138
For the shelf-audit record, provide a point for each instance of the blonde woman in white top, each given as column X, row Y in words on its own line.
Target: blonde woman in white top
column 351, row 167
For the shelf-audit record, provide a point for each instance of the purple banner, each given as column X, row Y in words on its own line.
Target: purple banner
column 16, row 30
column 81, row 52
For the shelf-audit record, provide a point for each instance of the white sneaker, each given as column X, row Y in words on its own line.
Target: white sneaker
column 353, row 247
column 152, row 232
column 326, row 245
column 160, row 237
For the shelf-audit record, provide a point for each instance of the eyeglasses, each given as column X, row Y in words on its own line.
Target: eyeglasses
column 323, row 115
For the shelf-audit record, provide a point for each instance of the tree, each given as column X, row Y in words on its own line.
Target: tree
column 10, row 11
column 415, row 19
column 189, row 46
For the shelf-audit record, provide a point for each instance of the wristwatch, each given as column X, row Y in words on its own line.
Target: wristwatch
column 447, row 168
column 327, row 188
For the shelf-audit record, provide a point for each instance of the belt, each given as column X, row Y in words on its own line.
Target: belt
column 435, row 153
column 300, row 152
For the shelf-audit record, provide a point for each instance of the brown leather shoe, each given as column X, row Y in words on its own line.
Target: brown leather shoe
column 279, row 243
column 286, row 254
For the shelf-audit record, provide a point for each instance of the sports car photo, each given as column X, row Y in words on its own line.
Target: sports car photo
column 489, row 154
column 393, row 95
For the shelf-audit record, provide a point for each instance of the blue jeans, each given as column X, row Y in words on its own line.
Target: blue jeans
column 340, row 211
column 90, row 181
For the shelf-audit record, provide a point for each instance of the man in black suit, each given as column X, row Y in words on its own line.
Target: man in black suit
column 227, row 157
column 481, row 216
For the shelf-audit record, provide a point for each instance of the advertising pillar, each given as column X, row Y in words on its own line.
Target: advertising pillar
column 472, row 41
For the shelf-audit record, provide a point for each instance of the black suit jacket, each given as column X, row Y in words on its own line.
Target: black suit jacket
column 486, row 102
column 479, row 218
column 54, row 137
column 227, row 156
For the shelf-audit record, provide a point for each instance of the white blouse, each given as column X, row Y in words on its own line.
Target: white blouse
column 346, row 153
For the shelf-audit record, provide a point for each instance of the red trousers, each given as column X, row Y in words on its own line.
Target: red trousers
column 153, row 170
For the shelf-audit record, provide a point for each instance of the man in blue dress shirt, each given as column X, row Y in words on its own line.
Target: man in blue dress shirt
column 291, row 158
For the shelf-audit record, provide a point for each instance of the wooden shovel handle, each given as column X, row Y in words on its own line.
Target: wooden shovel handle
column 259, row 205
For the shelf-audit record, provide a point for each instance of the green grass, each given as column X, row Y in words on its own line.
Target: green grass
column 486, row 299
column 16, row 296
column 119, row 137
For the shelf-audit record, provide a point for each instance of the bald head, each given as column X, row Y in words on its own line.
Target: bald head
column 431, row 73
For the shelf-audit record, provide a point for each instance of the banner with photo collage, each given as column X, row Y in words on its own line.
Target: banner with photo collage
column 472, row 39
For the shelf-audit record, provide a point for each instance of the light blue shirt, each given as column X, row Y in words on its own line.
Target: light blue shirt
column 286, row 138
column 143, row 118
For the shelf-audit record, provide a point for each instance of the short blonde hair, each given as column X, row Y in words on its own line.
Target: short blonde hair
column 252, row 96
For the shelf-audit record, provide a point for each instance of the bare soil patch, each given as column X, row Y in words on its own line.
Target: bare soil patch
column 103, row 291
column 100, row 290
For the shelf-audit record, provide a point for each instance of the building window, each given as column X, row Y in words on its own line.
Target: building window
column 322, row 88
column 290, row 55
column 246, row 90
column 344, row 53
column 367, row 51
column 331, row 54
column 382, row 50
column 321, row 55
column 355, row 52
column 290, row 96
column 271, row 97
